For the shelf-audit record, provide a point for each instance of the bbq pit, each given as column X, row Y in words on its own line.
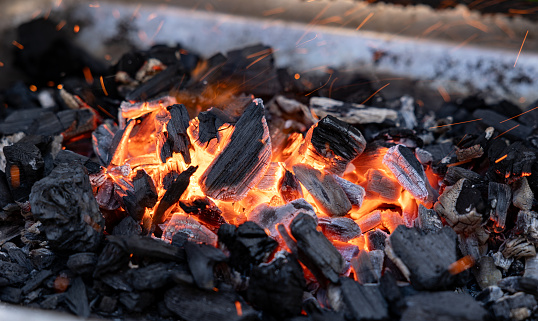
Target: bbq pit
column 267, row 162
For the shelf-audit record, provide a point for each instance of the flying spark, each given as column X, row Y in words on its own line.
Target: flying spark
column 521, row 48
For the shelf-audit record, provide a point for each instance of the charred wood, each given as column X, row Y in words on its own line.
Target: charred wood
column 173, row 194
column 340, row 228
column 443, row 306
column 24, row 167
column 202, row 259
column 289, row 187
column 82, row 263
column 102, row 139
column 12, row 273
column 351, row 113
column 148, row 247
column 491, row 118
column 177, row 131
column 499, row 197
column 455, row 173
column 380, row 186
column 523, row 195
column 151, row 277
column 355, row 193
column 207, row 212
column 428, row 219
column 518, row 306
column 76, row 298
column 517, row 247
column 182, row 228
column 360, row 302
column 144, row 195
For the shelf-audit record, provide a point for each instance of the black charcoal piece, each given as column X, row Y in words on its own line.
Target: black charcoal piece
column 127, row 226
column 117, row 281
column 24, row 167
column 162, row 82
column 206, row 211
column 102, row 140
column 202, row 259
column 177, row 131
column 427, row 256
column 289, row 187
column 18, row 256
column 511, row 128
column 76, row 298
column 364, row 270
column 340, row 228
column 490, row 295
column 455, row 173
column 362, row 302
column 513, row 284
column 172, row 195
column 248, row 244
column 77, row 122
column 148, row 247
column 244, row 160
column 315, row 250
column 10, row 294
column 209, row 123
column 511, row 162
column 151, row 277
column 193, row 304
column 108, row 304
column 11, row 273
column 325, row 190
column 112, row 258
column 375, row 240
column 428, row 219
column 42, row 258
column 136, row 301
column 144, row 195
column 67, row 156
column 439, row 306
column 499, row 197
column 65, row 205
column 355, row 193
column 277, row 288
column 5, row 192
column 51, row 302
column 82, row 263
column 351, row 112
column 35, row 281
column 518, row 306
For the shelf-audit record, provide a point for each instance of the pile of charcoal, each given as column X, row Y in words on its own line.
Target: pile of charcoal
column 463, row 250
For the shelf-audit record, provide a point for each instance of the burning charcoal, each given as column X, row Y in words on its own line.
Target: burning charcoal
column 379, row 186
column 460, row 206
column 512, row 162
column 527, row 224
column 189, row 229
column 192, row 304
column 33, row 282
column 409, row 172
column 499, row 197
column 209, row 123
column 511, row 128
column 42, row 258
column 423, row 156
column 363, row 268
column 523, row 195
column 351, row 113
column 375, row 240
column 76, row 122
column 24, row 167
column 370, row 221
column 82, row 263
column 172, row 195
column 74, row 223
column 102, row 140
column 428, row 220
column 359, row 302
column 391, row 220
column 106, row 196
column 277, row 288
column 355, row 193
column 327, row 193
column 289, row 187
column 315, row 250
column 514, row 307
column 340, row 228
column 286, row 237
column 202, row 259
column 206, row 211
column 151, row 277
column 331, row 143
column 162, row 82
column 248, row 244
column 488, row 274
column 268, row 217
column 317, row 313
column 10, row 295
column 148, row 247
column 518, row 247
column 136, row 301
column 76, row 298
column 127, row 226
column 132, row 110
column 144, row 195
column 177, row 131
column 244, row 160
column 427, row 256
column 443, row 306
column 455, row 173
column 531, row 267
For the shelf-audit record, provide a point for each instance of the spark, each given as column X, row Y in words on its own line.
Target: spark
column 103, row 85
column 18, row 45
column 500, row 159
column 307, row 41
column 259, row 53
column 1, row 64
column 60, row 25
column 352, row 10
column 331, row 87
column 432, row 28
column 313, row 22
column 76, row 28
column 58, row 3
column 506, row 131
column 88, row 75
column 464, row 42
column 274, row 11
column 525, row 11
column 443, row 93
column 458, row 163
column 152, row 16
column 519, row 114
column 521, row 48
column 478, row 25
column 365, row 20
column 159, row 27
column 313, row 91
column 509, row 32
column 258, row 60
column 33, row 88
column 60, row 86
column 461, row 265
column 461, row 122
column 297, row 76
column 372, row 95
column 94, row 5
column 336, row 19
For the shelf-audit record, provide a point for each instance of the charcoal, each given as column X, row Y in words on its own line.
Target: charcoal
column 136, row 301
column 502, row 125
column 202, row 259
column 148, row 247
column 177, row 131
column 67, row 156
column 10, row 294
column 20, row 257
column 277, row 288
column 517, row 247
column 162, row 82
column 172, row 195
column 315, row 250
column 325, row 190
column 531, row 267
column 455, row 173
column 151, row 277
column 518, row 306
column 514, row 284
column 428, row 220
column 117, row 281
column 499, row 197
column 351, row 113
column 370, row 221
column 355, row 193
column 42, row 258
column 363, row 268
column 5, row 193
column 379, row 186
column 488, row 274
column 183, row 227
column 127, row 226
column 35, row 281
column 82, row 263
column 108, row 304
column 361, row 302
column 102, row 140
column 409, row 172
column 24, row 167
column 51, row 302
column 244, row 160
column 510, row 163
column 427, row 256
column 248, row 244
column 76, row 298
column 392, row 293
column 268, row 217
column 12, row 273
column 443, row 306
column 375, row 240
column 340, row 228
column 111, row 258
column 106, row 196
column 64, row 203
column 316, row 313
column 286, row 237
column 192, row 304
column 289, row 187
column 144, row 195
column 490, row 295
column 209, row 123
column 206, row 211
column 76, row 122
column 523, row 195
